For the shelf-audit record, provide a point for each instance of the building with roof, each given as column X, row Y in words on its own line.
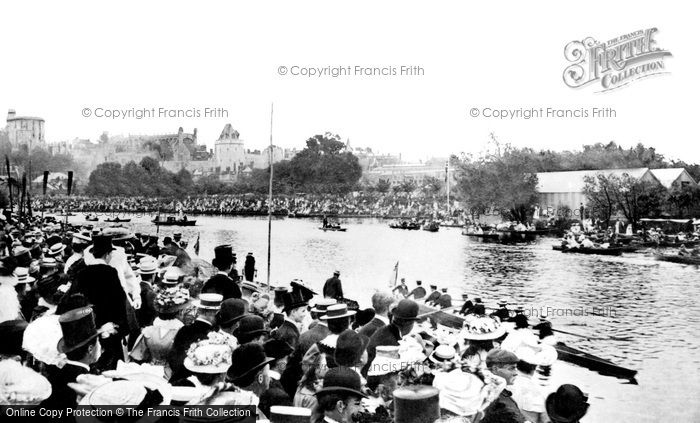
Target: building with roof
column 24, row 131
column 674, row 177
column 397, row 173
column 564, row 190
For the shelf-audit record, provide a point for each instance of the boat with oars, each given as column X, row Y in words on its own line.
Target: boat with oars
column 174, row 221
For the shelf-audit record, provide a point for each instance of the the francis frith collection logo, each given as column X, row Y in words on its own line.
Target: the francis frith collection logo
column 614, row 63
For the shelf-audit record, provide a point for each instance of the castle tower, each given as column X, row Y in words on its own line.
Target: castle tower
column 25, row 131
column 229, row 154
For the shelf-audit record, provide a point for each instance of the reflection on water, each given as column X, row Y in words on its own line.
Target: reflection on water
column 653, row 304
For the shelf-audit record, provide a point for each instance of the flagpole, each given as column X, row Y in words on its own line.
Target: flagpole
column 447, row 184
column 269, row 204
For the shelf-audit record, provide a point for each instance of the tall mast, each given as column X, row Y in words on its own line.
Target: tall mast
column 447, row 184
column 269, row 204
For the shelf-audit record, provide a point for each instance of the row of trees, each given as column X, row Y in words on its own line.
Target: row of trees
column 147, row 178
column 504, row 178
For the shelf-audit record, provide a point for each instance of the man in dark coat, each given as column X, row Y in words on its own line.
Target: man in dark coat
column 249, row 267
column 275, row 393
column 467, row 306
column 221, row 283
column 434, row 295
column 99, row 283
column 333, row 287
column 503, row 409
column 445, row 300
column 146, row 314
column 381, row 302
column 295, row 309
column 502, row 313
column 418, row 292
column 207, row 309
column 403, row 318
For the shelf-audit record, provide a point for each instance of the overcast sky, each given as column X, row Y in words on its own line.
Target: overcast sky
column 58, row 60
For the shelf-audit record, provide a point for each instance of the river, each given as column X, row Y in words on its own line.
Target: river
column 653, row 306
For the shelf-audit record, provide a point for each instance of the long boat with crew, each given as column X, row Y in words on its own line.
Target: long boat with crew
column 681, row 259
column 610, row 251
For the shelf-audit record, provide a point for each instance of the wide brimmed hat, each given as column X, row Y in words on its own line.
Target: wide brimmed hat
column 293, row 300
column 337, row 311
column 212, row 355
column 78, row 327
column 322, row 305
column 171, row 300
column 306, row 293
column 21, row 386
column 247, row 359
column 56, row 249
column 171, row 277
column 460, row 392
column 232, row 310
column 117, row 233
column 342, row 379
column 481, row 328
column 287, row 414
column 147, row 267
column 406, row 310
column 48, row 262
column 209, row 301
column 567, row 404
column 22, row 275
column 102, row 244
column 442, row 354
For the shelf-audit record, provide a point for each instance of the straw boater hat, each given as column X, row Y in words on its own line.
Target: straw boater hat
column 171, row 278
column 503, row 302
column 22, row 275
column 442, row 354
column 211, row 355
column 56, row 249
column 21, row 386
column 210, row 301
column 133, row 393
column 322, row 305
column 481, row 328
column 337, row 311
column 286, row 414
column 147, row 267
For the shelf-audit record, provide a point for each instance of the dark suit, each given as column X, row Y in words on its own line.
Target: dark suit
column 333, row 288
column 100, row 285
column 196, row 331
column 418, row 293
column 62, row 396
column 467, row 307
column 249, row 272
column 222, row 284
column 387, row 335
column 147, row 313
column 274, row 395
column 444, row 301
column 371, row 327
column 287, row 332
column 502, row 313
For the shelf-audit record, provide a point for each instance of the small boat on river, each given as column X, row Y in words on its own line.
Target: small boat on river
column 333, row 229
column 117, row 220
column 91, row 217
column 431, row 227
column 411, row 226
column 675, row 258
column 613, row 251
column 173, row 221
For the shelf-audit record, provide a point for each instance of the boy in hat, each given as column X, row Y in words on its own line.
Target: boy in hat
column 221, row 283
column 340, row 398
column 275, row 394
column 333, row 288
column 295, row 309
column 418, row 292
column 503, row 363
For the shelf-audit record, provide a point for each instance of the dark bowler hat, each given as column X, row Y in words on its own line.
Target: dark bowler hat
column 167, row 240
column 306, row 292
column 337, row 311
column 294, row 299
column 364, row 316
column 78, row 327
column 223, row 254
column 349, row 348
column 23, row 257
column 232, row 310
column 406, row 310
column 7, row 265
column 444, row 289
column 177, row 236
column 12, row 334
column 276, row 348
column 567, row 404
column 102, row 244
column 246, row 361
column 250, row 325
column 342, row 380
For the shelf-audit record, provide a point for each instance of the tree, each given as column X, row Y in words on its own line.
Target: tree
column 383, row 186
column 407, row 186
column 683, row 200
column 599, row 191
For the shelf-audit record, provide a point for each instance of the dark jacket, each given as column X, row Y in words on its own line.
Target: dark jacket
column 433, row 296
column 370, row 328
column 502, row 313
column 275, row 395
column 100, row 285
column 467, row 307
column 418, row 293
column 293, row 373
column 287, row 332
column 503, row 410
column 62, row 396
column 147, row 313
column 387, row 335
column 249, row 272
column 444, row 301
column 222, row 284
column 333, row 288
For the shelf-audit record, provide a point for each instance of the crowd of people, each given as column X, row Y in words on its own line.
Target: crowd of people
column 354, row 204
column 107, row 317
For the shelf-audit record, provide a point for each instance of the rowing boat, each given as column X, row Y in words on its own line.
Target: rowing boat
column 116, row 220
column 333, row 229
column 451, row 318
column 675, row 258
column 614, row 251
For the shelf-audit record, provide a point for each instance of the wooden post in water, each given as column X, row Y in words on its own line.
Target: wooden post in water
column 269, row 204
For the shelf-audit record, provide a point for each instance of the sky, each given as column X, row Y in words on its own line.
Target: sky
column 60, row 59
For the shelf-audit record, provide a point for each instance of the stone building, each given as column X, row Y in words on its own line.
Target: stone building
column 24, row 131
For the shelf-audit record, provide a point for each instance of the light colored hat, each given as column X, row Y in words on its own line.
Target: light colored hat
column 20, row 385
column 442, row 354
column 22, row 275
column 148, row 267
column 81, row 238
column 337, row 311
column 211, row 355
column 170, row 277
column 48, row 262
column 460, row 392
column 386, row 361
column 56, row 249
column 210, row 301
column 481, row 328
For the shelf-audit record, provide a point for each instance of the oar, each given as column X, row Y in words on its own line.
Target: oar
column 446, row 310
column 610, row 338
